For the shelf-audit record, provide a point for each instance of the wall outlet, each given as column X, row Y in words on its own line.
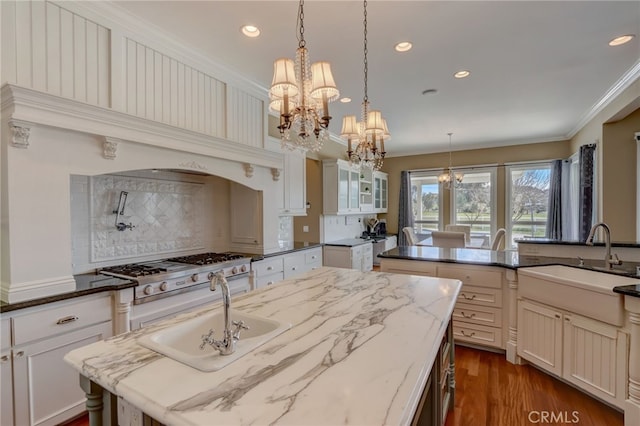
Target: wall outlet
column 305, row 228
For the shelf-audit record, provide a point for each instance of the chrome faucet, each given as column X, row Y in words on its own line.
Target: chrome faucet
column 609, row 260
column 227, row 345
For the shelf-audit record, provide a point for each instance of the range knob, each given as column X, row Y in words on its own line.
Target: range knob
column 164, row 286
column 194, row 278
column 243, row 268
column 148, row 290
column 234, row 270
column 210, row 276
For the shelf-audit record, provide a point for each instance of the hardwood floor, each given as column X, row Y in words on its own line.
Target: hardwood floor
column 491, row 391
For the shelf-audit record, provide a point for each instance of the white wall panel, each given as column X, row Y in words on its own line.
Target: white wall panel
column 244, row 118
column 161, row 88
column 48, row 48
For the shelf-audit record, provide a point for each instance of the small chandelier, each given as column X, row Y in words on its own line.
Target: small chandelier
column 450, row 178
column 367, row 133
column 301, row 94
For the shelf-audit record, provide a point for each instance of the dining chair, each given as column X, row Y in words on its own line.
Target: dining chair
column 410, row 235
column 448, row 239
column 460, row 228
column 497, row 239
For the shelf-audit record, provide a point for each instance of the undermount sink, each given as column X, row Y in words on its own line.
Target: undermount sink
column 181, row 342
column 583, row 291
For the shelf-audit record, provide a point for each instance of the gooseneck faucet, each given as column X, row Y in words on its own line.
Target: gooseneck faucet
column 227, row 345
column 609, row 260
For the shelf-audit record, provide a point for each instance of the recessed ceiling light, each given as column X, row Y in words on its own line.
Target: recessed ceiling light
column 462, row 74
column 403, row 46
column 345, row 100
column 250, row 31
column 621, row 40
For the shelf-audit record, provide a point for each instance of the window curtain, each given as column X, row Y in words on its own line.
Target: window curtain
column 570, row 187
column 585, row 194
column 554, row 216
column 405, row 213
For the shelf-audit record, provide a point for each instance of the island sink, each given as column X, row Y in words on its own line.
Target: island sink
column 182, row 342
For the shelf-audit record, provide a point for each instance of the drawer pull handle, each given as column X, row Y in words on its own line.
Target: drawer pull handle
column 269, row 268
column 66, row 320
column 4, row 358
column 19, row 354
column 464, row 296
column 473, row 314
column 473, row 333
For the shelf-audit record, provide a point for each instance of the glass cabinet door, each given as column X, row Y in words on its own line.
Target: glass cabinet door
column 383, row 193
column 376, row 193
column 354, row 190
column 343, row 189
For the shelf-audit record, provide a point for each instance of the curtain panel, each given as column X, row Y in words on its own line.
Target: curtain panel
column 405, row 214
column 585, row 214
column 554, row 216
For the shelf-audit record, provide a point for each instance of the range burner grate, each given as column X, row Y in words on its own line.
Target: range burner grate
column 134, row 270
column 206, row 258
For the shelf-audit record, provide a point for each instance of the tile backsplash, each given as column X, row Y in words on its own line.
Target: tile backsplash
column 165, row 215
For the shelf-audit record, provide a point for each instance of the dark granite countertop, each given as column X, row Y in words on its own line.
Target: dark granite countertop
column 349, row 242
column 576, row 243
column 628, row 290
column 85, row 284
column 297, row 246
column 507, row 259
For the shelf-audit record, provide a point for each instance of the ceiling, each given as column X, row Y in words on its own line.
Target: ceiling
column 539, row 69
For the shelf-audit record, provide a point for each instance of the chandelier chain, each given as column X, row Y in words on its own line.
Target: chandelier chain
column 366, row 63
column 301, row 41
column 449, row 150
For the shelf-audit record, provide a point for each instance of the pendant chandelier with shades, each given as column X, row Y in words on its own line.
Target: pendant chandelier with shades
column 450, row 178
column 368, row 133
column 301, row 94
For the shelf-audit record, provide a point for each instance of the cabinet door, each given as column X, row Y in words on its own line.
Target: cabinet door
column 540, row 336
column 6, row 389
column 595, row 358
column 354, row 190
column 343, row 189
column 46, row 389
column 376, row 193
column 294, row 202
column 383, row 194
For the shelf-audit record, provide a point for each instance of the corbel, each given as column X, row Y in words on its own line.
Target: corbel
column 109, row 147
column 248, row 169
column 21, row 131
column 275, row 173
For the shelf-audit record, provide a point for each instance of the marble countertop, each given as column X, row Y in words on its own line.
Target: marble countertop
column 360, row 350
column 349, row 242
column 85, row 284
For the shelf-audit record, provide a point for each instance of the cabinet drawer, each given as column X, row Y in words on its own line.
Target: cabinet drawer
column 484, row 315
column 367, row 249
column 472, row 276
column 270, row 279
column 480, row 296
column 5, row 334
column 479, row 334
column 313, row 256
column 294, row 263
column 268, row 266
column 68, row 316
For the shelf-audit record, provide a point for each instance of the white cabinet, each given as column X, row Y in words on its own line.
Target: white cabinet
column 294, row 200
column 358, row 257
column 366, row 190
column 276, row 268
column 587, row 353
column 6, row 383
column 341, row 187
column 246, row 218
column 44, row 389
column 380, row 192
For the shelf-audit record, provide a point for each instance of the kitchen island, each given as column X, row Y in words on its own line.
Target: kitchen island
column 364, row 348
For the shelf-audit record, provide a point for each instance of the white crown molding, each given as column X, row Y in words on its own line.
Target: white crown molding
column 19, row 103
column 620, row 86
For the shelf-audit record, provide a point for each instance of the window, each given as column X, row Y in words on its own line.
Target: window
column 527, row 201
column 474, row 202
column 426, row 201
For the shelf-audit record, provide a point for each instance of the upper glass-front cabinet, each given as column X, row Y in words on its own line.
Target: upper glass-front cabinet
column 380, row 192
column 341, row 187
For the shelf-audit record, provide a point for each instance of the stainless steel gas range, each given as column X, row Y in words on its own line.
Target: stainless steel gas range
column 170, row 277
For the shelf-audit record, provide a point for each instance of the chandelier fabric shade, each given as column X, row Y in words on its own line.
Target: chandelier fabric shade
column 369, row 132
column 301, row 94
